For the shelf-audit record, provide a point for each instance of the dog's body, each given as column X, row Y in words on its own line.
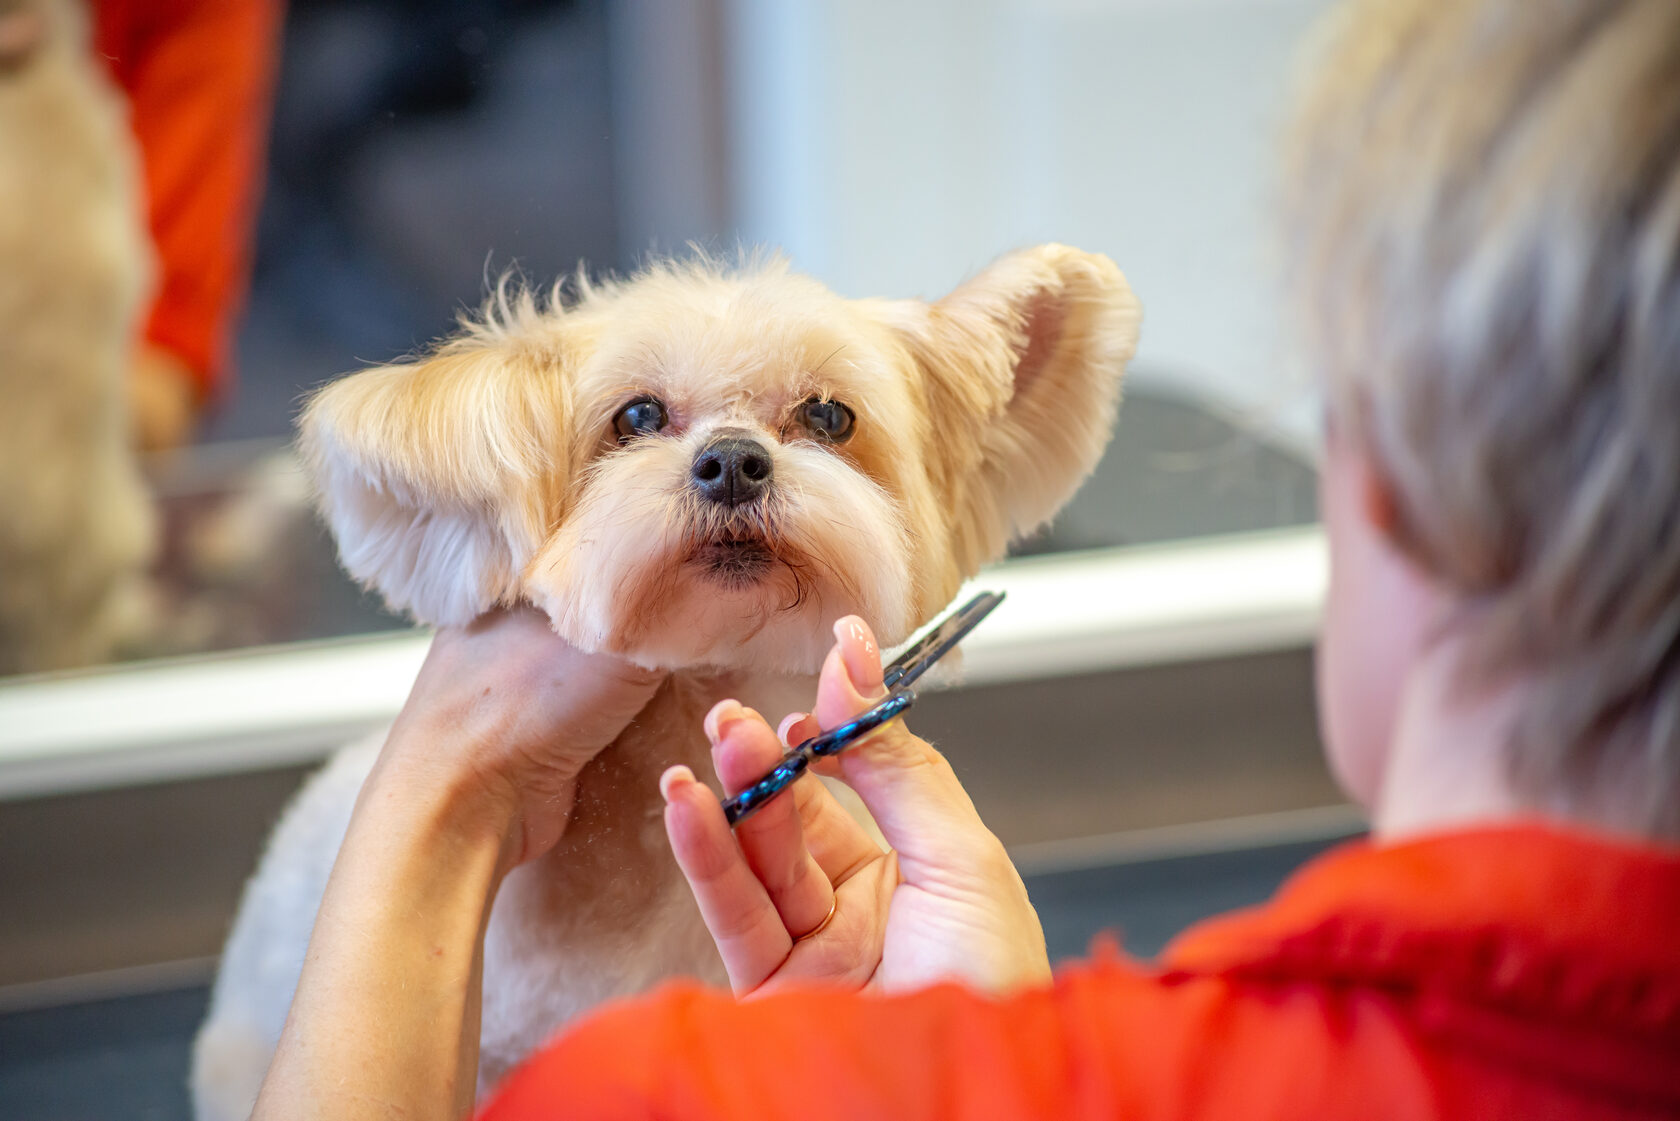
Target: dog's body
column 77, row 528
column 697, row 469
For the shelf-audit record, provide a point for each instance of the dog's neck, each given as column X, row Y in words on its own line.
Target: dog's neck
column 608, row 903
column 617, row 820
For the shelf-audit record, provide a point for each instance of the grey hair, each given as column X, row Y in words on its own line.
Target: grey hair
column 1482, row 207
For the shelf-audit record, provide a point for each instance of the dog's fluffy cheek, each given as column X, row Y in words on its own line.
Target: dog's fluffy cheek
column 853, row 535
column 604, row 575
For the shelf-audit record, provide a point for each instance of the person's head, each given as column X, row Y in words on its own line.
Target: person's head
column 1482, row 206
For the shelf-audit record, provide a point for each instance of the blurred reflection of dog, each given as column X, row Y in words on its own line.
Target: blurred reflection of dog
column 76, row 524
column 700, row 469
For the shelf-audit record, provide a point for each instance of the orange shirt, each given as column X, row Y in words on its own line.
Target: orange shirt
column 198, row 75
column 1504, row 973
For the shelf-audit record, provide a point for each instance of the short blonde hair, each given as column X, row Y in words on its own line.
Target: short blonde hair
column 1482, row 208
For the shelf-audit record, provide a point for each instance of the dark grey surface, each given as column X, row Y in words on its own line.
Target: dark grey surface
column 1145, row 904
column 110, row 1060
column 1095, row 754
column 127, row 1059
column 1178, row 469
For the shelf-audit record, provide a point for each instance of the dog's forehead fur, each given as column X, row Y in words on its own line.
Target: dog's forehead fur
column 490, row 472
column 757, row 341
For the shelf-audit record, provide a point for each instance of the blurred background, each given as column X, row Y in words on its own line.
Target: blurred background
column 1144, row 739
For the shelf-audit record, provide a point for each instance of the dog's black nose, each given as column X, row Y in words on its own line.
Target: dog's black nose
column 732, row 470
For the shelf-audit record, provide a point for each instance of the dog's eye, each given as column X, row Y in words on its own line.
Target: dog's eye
column 642, row 417
column 827, row 420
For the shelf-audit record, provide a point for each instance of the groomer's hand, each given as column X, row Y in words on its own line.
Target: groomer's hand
column 478, row 773
column 509, row 711
column 800, row 892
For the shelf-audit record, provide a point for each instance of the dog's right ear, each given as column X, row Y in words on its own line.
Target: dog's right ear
column 441, row 477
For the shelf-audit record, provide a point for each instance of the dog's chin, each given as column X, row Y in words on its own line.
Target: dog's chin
column 734, row 563
column 734, row 602
column 736, row 596
column 731, row 603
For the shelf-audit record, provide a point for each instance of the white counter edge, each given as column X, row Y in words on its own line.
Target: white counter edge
column 1065, row 614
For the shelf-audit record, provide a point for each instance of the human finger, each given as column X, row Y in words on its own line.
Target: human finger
column 750, row 935
column 837, row 840
column 772, row 840
column 918, row 803
column 796, row 728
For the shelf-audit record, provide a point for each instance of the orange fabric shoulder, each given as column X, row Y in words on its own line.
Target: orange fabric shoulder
column 1108, row 1040
column 1503, row 973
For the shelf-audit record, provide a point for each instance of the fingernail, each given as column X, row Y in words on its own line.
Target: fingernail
column 723, row 714
column 861, row 654
column 671, row 778
column 786, row 726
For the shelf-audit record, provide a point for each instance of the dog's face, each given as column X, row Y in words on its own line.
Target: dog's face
column 701, row 467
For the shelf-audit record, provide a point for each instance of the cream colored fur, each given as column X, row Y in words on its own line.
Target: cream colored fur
column 76, row 524
column 488, row 473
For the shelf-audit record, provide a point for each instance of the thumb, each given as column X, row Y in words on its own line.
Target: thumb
column 922, row 810
column 851, row 679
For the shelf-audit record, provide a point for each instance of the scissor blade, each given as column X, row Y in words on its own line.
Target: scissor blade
column 940, row 641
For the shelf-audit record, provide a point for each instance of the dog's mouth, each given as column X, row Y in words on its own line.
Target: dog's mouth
column 734, row 558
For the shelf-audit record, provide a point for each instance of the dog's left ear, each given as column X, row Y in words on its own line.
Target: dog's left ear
column 1022, row 366
column 441, row 477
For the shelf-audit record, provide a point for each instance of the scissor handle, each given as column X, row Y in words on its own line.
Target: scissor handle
column 798, row 760
column 898, row 677
column 753, row 798
column 836, row 740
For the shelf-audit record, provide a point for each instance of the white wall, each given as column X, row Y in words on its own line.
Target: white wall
column 893, row 146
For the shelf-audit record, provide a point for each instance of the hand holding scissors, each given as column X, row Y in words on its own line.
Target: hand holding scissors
column 898, row 677
column 800, row 892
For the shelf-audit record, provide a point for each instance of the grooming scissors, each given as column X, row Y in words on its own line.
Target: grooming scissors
column 898, row 678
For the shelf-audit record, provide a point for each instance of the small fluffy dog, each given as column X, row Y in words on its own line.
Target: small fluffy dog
column 699, row 469
column 77, row 528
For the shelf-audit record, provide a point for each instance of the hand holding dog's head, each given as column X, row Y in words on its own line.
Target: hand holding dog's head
column 702, row 467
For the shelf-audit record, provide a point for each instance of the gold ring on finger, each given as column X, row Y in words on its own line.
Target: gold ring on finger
column 822, row 926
